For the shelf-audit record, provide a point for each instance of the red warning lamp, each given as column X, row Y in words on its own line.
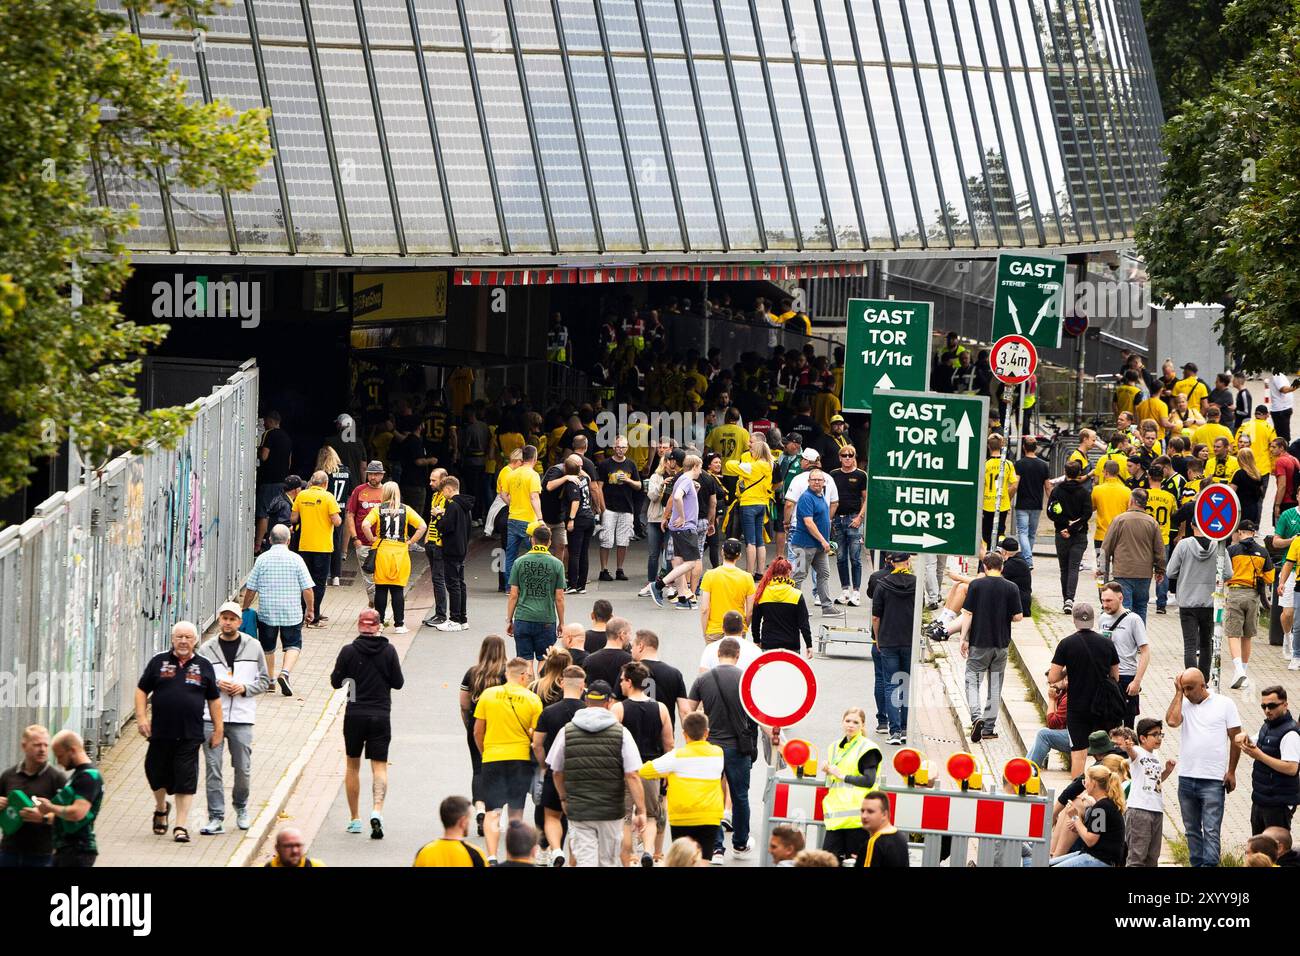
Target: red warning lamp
column 907, row 762
column 796, row 752
column 961, row 766
column 1018, row 771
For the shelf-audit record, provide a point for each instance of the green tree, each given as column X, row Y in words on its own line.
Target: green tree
column 82, row 94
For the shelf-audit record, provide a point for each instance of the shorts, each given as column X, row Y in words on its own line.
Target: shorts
column 532, row 639
column 1240, row 612
column 686, row 545
column 654, row 804
column 367, row 735
column 550, row 796
column 173, row 765
column 290, row 636
column 615, row 529
column 1079, row 729
column 1286, row 597
column 506, row 783
column 559, row 533
column 752, row 518
column 265, row 495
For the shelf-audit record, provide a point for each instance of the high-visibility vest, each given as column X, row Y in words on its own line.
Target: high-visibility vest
column 842, row 805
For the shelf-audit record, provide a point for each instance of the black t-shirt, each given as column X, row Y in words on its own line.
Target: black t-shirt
column 414, row 475
column 993, row 601
column 276, row 467
column 1180, row 464
column 708, row 488
column 555, row 503
column 437, row 435
column 718, row 691
column 1029, row 493
column 618, row 495
column 849, row 484
column 666, row 685
column 1104, row 818
column 554, row 718
column 579, row 491
column 1227, row 405
column 641, row 718
column 229, row 650
column 179, row 691
column 594, row 642
column 605, row 664
column 1016, row 570
column 33, row 838
column 1077, row 654
column 890, row 850
column 807, row 429
column 1249, row 490
column 578, row 655
column 86, row 785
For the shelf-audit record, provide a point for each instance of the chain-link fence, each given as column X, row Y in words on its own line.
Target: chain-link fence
column 92, row 583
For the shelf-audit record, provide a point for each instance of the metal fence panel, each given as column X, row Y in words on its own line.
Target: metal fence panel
column 92, row 583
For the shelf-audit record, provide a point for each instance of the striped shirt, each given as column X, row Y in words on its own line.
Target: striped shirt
column 279, row 577
column 694, row 773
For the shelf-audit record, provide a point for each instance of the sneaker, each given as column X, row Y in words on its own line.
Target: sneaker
column 683, row 604
column 336, row 582
column 726, row 821
column 283, row 681
column 544, row 857
column 990, row 734
column 401, row 629
column 1068, row 607
column 932, row 605
column 478, row 820
column 212, row 828
column 570, row 590
column 743, row 851
column 843, row 598
column 977, row 730
column 657, row 593
column 1238, row 678
column 855, row 598
column 647, row 860
column 462, row 625
column 830, row 611
column 581, row 590
column 445, row 626
column 619, row 575
column 492, row 861
column 376, row 826
column 558, row 859
column 1247, row 684
column 645, row 591
column 241, row 818
column 718, row 858
column 902, row 739
column 935, row 631
column 758, row 576
column 434, row 621
column 882, row 727
column 670, row 592
column 605, row 576
column 1294, row 665
column 354, row 826
column 1161, row 610
column 895, row 740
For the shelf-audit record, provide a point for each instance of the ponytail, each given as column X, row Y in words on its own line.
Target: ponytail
column 1112, row 782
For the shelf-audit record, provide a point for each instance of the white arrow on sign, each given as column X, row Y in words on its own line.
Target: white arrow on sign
column 1015, row 316
column 1042, row 313
column 885, row 382
column 964, row 433
column 922, row 540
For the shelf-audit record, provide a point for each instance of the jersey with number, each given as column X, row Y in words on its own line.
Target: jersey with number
column 340, row 484
column 393, row 522
column 991, row 469
column 728, row 441
column 1161, row 505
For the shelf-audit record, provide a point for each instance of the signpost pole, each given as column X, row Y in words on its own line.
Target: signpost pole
column 1002, row 470
column 1220, row 575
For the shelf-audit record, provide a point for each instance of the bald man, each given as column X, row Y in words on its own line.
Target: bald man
column 74, row 808
column 1207, row 761
column 574, row 639
column 291, row 850
column 179, row 682
column 31, row 845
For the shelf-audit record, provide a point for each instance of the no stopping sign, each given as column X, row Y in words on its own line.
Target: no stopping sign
column 778, row 689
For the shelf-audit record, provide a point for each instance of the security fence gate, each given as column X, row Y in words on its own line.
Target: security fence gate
column 92, row 583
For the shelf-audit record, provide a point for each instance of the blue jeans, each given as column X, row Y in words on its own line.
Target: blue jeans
column 516, row 544
column 895, row 663
column 532, row 638
column 751, row 523
column 1201, row 802
column 736, row 766
column 1026, row 532
column 1162, row 586
column 1077, row 858
column 849, row 541
column 1137, row 592
column 1045, row 742
column 654, row 542
column 881, row 687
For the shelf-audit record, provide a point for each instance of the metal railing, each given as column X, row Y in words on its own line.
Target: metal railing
column 92, row 583
column 735, row 338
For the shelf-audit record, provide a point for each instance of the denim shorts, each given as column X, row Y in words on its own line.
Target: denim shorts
column 751, row 523
column 290, row 636
column 532, row 639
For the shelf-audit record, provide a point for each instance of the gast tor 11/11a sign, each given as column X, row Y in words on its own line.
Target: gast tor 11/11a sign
column 887, row 346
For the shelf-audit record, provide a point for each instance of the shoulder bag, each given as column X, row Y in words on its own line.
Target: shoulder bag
column 1108, row 704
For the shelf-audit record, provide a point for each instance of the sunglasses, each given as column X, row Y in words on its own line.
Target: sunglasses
column 1273, row 706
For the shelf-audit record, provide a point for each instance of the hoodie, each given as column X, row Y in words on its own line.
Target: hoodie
column 249, row 670
column 594, row 719
column 1193, row 565
column 371, row 663
column 454, row 526
column 1070, row 507
column 893, row 603
column 780, row 617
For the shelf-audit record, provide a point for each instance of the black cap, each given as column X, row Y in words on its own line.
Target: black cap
column 1247, row 525
column 598, row 690
column 795, row 438
column 898, row 557
column 1190, row 365
column 1009, row 544
column 678, row 455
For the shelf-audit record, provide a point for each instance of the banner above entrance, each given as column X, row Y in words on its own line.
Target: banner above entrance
column 398, row 296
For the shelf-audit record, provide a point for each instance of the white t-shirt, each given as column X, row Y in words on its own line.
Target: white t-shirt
column 749, row 652
column 1204, row 752
column 1278, row 401
column 799, row 484
column 1290, row 747
column 1128, row 638
column 1144, row 771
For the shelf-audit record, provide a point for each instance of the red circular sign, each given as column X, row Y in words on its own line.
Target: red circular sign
column 1216, row 511
column 907, row 761
column 1014, row 359
column 778, row 688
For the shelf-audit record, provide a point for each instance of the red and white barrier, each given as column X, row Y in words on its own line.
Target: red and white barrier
column 968, row 814
column 798, row 802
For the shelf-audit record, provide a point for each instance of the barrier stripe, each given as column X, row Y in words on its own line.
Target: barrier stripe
column 956, row 813
column 988, row 817
column 806, row 801
column 1037, row 815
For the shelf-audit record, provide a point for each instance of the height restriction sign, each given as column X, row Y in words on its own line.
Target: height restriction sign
column 887, row 347
column 1028, row 299
column 1014, row 359
column 925, row 475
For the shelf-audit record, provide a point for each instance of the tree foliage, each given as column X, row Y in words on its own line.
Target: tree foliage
column 79, row 90
column 1228, row 226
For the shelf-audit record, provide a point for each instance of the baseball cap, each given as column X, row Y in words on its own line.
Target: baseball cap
column 1247, row 525
column 375, row 467
column 1099, row 742
column 810, row 454
column 678, row 455
column 1190, row 366
column 1084, row 615
column 836, row 418
column 598, row 690
column 1009, row 544
column 731, row 548
column 898, row 557
column 230, row 607
column 794, row 438
column 368, row 621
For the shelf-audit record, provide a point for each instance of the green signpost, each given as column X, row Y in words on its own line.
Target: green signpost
column 887, row 347
column 926, row 472
column 1028, row 299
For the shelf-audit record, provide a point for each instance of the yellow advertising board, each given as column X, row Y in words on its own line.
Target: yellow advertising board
column 399, row 296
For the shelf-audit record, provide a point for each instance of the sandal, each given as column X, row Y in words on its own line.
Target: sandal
column 160, row 819
column 180, row 835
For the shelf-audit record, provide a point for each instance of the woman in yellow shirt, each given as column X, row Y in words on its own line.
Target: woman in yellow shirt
column 389, row 524
column 754, row 490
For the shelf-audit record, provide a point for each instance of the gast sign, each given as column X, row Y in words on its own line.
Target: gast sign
column 887, row 347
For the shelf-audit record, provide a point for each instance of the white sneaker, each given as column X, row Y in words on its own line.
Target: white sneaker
column 844, row 597
column 855, row 598
column 462, row 626
column 400, row 630
column 1294, row 665
column 670, row 592
column 447, row 626
column 1238, row 679
column 212, row 828
column 241, row 819
column 745, row 851
column 336, row 581
column 644, row 592
column 718, row 858
column 544, row 857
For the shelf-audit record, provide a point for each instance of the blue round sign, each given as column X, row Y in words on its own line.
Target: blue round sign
column 1075, row 325
column 1217, row 511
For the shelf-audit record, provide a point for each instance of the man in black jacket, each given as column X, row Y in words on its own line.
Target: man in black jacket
column 893, row 603
column 1070, row 508
column 372, row 665
column 454, row 527
column 1016, row 570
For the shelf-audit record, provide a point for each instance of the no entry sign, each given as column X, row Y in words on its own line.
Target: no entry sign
column 778, row 688
column 1014, row 359
column 1217, row 510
